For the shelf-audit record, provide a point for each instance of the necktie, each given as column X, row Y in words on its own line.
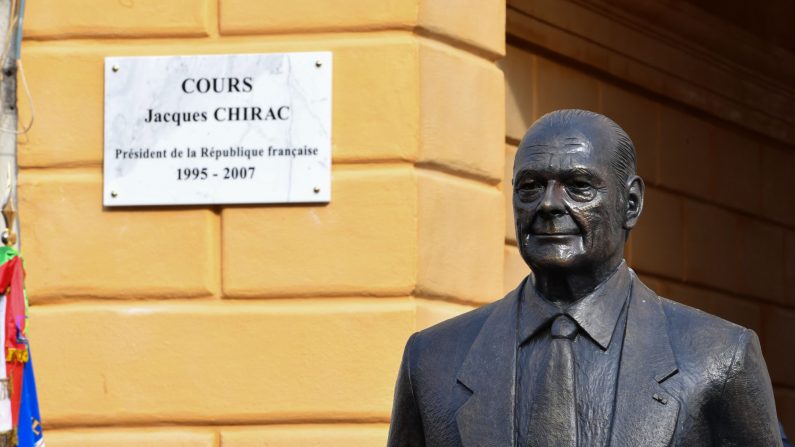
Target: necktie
column 553, row 419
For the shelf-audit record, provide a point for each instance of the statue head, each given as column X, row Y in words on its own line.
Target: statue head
column 575, row 192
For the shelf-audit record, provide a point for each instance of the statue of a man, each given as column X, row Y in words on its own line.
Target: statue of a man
column 581, row 353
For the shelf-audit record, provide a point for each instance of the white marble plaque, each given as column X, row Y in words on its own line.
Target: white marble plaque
column 226, row 129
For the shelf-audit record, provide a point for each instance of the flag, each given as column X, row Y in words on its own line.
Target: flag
column 6, row 419
column 29, row 430
column 20, row 384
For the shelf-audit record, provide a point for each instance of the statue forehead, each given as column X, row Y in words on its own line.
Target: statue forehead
column 566, row 144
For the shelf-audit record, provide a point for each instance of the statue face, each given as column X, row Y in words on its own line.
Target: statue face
column 569, row 206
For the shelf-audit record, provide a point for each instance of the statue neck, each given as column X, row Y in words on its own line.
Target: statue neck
column 566, row 286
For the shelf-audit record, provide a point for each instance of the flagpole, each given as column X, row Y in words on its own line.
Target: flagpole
column 10, row 27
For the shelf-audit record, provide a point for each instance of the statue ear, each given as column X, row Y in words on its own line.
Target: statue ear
column 635, row 190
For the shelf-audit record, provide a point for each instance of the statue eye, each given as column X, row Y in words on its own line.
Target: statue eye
column 581, row 184
column 528, row 189
column 528, row 185
column 581, row 190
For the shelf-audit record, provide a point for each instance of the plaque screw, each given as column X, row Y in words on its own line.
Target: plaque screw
column 115, row 68
column 317, row 189
column 114, row 194
column 318, row 64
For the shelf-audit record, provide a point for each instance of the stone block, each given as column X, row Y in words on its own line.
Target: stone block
column 460, row 238
column 789, row 267
column 457, row 20
column 215, row 362
column 762, row 253
column 363, row 242
column 515, row 269
column 639, row 117
column 451, row 20
column 68, row 128
column 462, row 112
column 776, row 191
column 73, row 247
column 655, row 284
column 430, row 312
column 519, row 68
column 377, row 104
column 692, row 296
column 336, row 435
column 657, row 242
column 507, row 190
column 562, row 87
column 684, row 158
column 746, row 313
column 712, row 255
column 130, row 437
column 776, row 336
column 59, row 19
column 736, row 167
column 297, row 16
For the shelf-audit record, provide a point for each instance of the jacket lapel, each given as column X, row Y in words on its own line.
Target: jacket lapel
column 489, row 372
column 645, row 413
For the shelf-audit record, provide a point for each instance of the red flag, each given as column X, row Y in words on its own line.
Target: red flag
column 12, row 278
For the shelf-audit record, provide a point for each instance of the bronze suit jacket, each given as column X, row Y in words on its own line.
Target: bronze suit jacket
column 686, row 379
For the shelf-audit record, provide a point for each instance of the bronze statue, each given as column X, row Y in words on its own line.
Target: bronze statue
column 581, row 353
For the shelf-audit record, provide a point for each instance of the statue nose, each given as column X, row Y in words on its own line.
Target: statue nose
column 552, row 201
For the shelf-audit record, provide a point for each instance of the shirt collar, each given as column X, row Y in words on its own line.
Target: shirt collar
column 597, row 313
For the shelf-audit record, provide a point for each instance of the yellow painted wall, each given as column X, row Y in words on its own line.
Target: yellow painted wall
column 259, row 325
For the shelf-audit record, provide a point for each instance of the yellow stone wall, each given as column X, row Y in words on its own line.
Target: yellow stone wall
column 246, row 326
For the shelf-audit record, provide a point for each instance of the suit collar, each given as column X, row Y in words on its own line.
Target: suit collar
column 648, row 333
column 535, row 312
column 645, row 412
column 489, row 372
column 597, row 313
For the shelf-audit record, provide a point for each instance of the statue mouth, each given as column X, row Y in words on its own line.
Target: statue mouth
column 554, row 227
column 562, row 233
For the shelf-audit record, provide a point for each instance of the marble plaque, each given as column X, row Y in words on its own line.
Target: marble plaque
column 225, row 129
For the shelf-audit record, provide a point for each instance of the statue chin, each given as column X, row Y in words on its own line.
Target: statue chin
column 562, row 252
column 552, row 260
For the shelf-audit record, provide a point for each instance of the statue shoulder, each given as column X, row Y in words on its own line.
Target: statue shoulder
column 459, row 326
column 697, row 335
column 681, row 314
column 449, row 341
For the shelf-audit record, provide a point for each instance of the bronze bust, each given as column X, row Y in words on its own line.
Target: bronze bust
column 581, row 353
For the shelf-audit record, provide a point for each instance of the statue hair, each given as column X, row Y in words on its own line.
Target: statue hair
column 624, row 161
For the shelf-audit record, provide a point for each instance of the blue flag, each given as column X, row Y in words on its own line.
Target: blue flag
column 29, row 430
